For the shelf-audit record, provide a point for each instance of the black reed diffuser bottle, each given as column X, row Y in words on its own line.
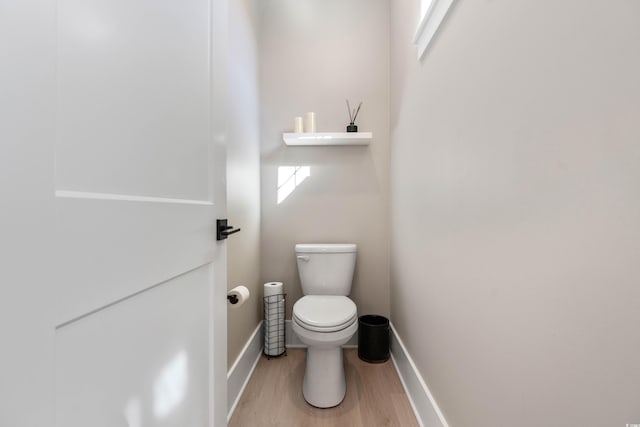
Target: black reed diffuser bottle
column 352, row 117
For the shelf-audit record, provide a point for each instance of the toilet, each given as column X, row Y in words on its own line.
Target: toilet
column 325, row 318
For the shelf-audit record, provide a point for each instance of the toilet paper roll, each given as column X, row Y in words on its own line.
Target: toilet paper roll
column 238, row 296
column 273, row 288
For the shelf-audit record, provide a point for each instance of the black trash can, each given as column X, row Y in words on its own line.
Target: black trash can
column 373, row 338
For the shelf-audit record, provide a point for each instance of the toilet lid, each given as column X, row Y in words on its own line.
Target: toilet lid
column 325, row 313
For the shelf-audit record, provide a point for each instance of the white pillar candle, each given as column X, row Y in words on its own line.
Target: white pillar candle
column 297, row 125
column 310, row 122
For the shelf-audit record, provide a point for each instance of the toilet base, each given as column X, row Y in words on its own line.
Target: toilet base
column 324, row 383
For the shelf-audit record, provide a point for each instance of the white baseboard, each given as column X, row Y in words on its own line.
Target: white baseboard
column 424, row 405
column 242, row 369
column 292, row 341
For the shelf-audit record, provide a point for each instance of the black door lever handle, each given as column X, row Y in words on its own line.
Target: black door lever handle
column 223, row 229
column 230, row 230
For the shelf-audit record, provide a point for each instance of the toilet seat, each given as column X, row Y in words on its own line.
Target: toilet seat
column 324, row 313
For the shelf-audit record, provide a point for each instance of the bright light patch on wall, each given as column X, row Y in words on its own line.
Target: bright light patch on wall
column 171, row 386
column 289, row 177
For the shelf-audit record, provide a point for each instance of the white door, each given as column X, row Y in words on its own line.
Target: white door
column 113, row 285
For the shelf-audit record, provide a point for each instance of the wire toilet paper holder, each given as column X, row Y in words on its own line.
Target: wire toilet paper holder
column 274, row 326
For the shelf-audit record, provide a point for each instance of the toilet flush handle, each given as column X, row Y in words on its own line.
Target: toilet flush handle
column 303, row 258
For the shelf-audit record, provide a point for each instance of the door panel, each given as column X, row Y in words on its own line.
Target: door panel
column 113, row 173
column 133, row 110
column 151, row 372
column 136, row 170
column 118, row 248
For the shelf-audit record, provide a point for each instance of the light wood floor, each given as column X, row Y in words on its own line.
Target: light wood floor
column 273, row 397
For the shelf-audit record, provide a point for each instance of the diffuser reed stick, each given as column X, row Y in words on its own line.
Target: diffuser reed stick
column 353, row 114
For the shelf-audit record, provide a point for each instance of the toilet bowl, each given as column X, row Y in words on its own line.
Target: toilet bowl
column 324, row 323
column 325, row 318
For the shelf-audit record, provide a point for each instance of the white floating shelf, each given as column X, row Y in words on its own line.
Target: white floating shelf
column 328, row 138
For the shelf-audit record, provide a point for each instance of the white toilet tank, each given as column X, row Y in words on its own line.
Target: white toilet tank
column 326, row 268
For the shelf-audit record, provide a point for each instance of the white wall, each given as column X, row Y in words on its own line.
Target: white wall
column 243, row 173
column 313, row 55
column 516, row 211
